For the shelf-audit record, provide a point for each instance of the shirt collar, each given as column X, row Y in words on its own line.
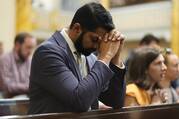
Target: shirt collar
column 68, row 40
column 16, row 56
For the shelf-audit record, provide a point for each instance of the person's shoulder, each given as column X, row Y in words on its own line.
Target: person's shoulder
column 53, row 43
column 133, row 90
column 6, row 56
column 174, row 93
column 132, row 86
column 47, row 46
column 6, row 59
column 49, row 49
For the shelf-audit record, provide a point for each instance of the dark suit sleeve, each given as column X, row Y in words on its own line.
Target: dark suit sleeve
column 56, row 78
column 115, row 93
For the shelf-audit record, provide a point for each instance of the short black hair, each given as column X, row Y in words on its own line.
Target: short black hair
column 93, row 15
column 20, row 38
column 149, row 38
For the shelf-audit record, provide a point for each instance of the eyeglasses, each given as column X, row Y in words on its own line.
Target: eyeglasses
column 167, row 51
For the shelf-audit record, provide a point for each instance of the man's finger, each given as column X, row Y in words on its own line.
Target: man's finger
column 112, row 35
column 121, row 37
column 106, row 37
column 116, row 36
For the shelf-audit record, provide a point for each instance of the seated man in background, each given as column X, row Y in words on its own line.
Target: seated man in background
column 15, row 66
column 172, row 73
column 151, row 41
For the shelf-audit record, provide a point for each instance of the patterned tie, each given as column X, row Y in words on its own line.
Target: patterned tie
column 81, row 61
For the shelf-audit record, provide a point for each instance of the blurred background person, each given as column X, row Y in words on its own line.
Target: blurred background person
column 146, row 68
column 172, row 74
column 150, row 40
column 1, row 52
column 1, row 48
column 175, row 85
column 15, row 66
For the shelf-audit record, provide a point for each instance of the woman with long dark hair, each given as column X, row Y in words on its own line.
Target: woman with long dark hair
column 145, row 68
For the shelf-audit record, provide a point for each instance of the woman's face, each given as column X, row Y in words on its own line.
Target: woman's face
column 172, row 67
column 157, row 69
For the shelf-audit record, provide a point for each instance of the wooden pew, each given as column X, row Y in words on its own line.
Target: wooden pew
column 151, row 112
column 14, row 106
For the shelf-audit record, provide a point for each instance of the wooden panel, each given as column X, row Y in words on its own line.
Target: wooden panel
column 150, row 112
column 13, row 106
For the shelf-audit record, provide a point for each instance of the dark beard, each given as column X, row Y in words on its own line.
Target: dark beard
column 79, row 46
column 22, row 58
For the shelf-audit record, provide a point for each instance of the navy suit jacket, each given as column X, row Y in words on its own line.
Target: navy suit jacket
column 56, row 84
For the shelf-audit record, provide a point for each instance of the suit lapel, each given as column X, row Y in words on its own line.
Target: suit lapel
column 62, row 42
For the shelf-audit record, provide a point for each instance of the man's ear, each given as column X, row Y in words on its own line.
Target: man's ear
column 17, row 46
column 77, row 28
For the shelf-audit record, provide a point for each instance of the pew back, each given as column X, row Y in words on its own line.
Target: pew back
column 150, row 112
column 14, row 106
